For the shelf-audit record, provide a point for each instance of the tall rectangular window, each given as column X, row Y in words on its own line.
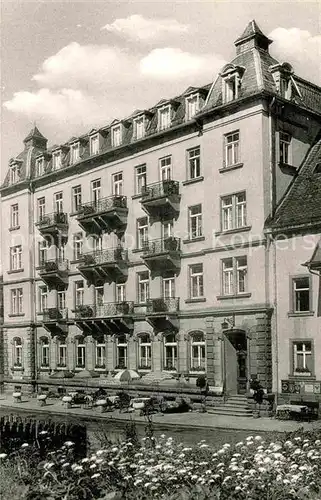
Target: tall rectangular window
column 80, row 353
column 79, row 293
column 44, row 352
column 100, row 355
column 196, row 281
column 42, row 252
column 56, row 160
column 41, row 207
column 284, row 147
column 192, row 106
column 58, row 202
column 16, row 301
column 62, row 354
column 145, row 352
column 117, row 183
column 40, row 166
column 76, row 198
column 302, row 358
column 13, row 173
column 78, row 246
column 168, row 286
column 230, row 88
column 167, row 229
column 194, row 163
column 96, row 191
column 141, row 178
column 232, row 147
column 94, row 145
column 14, row 216
column 195, row 221
column 116, row 136
column 233, row 211
column 120, row 292
column 61, row 299
column 142, row 232
column 139, row 127
column 121, row 352
column 234, row 275
column 164, row 118
column 165, row 168
column 74, row 153
column 170, row 352
column 301, row 294
column 43, row 298
column 17, row 352
column 143, row 287
column 16, row 258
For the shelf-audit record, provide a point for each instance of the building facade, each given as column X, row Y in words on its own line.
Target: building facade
column 142, row 244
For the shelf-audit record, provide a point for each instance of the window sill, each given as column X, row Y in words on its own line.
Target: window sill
column 137, row 250
column 14, row 228
column 238, row 296
column 17, row 369
column 194, row 240
column 233, row 231
column 44, row 369
column 79, row 368
column 62, row 367
column 140, row 304
column 230, row 167
column 17, row 315
column 302, row 314
column 100, row 369
column 144, row 370
column 137, row 196
column 15, row 271
column 193, row 181
column 76, row 261
column 198, row 299
column 301, row 376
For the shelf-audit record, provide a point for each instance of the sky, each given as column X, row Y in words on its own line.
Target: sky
column 69, row 66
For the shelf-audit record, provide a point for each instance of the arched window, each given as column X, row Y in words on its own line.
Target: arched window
column 121, row 352
column 170, row 352
column 145, row 352
column 62, row 354
column 100, row 354
column 17, row 352
column 198, row 351
column 80, row 352
column 44, row 352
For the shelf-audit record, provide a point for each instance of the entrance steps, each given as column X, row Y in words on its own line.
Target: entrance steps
column 235, row 406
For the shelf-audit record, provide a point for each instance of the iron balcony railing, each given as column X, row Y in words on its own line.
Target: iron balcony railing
column 53, row 219
column 55, row 314
column 102, row 205
column 54, row 265
column 163, row 305
column 103, row 257
column 160, row 189
column 106, row 310
column 161, row 245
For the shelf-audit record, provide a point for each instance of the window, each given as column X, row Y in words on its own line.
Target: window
column 100, row 355
column 14, row 173
column 145, row 352
column 195, row 221
column 14, row 217
column 62, row 354
column 78, row 246
column 141, row 178
column 302, row 358
column 143, row 287
column 61, row 299
column 164, row 118
column 43, row 298
column 76, row 198
column 96, row 190
column 194, row 163
column 196, row 281
column 285, row 143
column 80, row 352
column 198, row 356
column 168, row 287
column 170, row 352
column 44, row 352
column 58, row 202
column 99, row 299
column 165, row 168
column 230, row 88
column 121, row 354
column 16, row 258
column 233, row 211
column 117, row 183
column 41, row 203
column 97, row 243
column 17, row 352
column 56, row 160
column 167, row 229
column 234, row 275
column 116, row 136
column 120, row 292
column 16, row 301
column 42, row 252
column 40, row 166
column 139, row 127
column 94, row 145
column 79, row 293
column 301, row 287
column 232, row 149
column 192, row 106
column 60, row 252
column 285, row 87
column 142, row 232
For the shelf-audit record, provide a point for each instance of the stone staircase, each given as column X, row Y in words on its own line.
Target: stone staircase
column 235, row 406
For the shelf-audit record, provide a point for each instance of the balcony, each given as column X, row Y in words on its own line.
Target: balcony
column 53, row 227
column 104, row 215
column 54, row 320
column 107, row 265
column 54, row 272
column 161, row 199
column 163, row 254
column 107, row 318
column 162, row 313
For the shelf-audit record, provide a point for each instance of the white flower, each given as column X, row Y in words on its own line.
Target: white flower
column 249, row 438
column 84, row 460
column 3, row 455
column 69, row 444
column 94, row 476
column 204, row 445
column 41, row 433
column 92, row 466
column 240, row 443
column 49, row 465
column 114, row 450
column 194, row 477
column 238, row 488
column 66, row 464
column 24, row 445
column 258, row 438
column 100, row 452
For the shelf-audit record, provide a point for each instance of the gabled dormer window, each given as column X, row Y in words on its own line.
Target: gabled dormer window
column 56, row 160
column 74, row 152
column 139, row 127
column 14, row 173
column 282, row 76
column 231, row 82
column 164, row 117
column 40, row 166
column 192, row 106
column 94, row 144
column 116, row 136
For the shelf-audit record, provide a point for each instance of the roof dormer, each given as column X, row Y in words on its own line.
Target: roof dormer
column 57, row 153
column 95, row 142
column 74, row 148
column 166, row 110
column 194, row 101
column 14, row 170
column 282, row 76
column 231, row 82
column 140, row 122
column 117, row 130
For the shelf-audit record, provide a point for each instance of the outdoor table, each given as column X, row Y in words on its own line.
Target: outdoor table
column 17, row 397
column 42, row 399
column 66, row 401
column 284, row 411
column 101, row 404
column 139, row 403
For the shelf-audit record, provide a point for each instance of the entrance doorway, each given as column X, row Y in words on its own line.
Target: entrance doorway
column 235, row 361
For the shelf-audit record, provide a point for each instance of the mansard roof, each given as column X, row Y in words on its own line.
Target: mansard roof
column 301, row 205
